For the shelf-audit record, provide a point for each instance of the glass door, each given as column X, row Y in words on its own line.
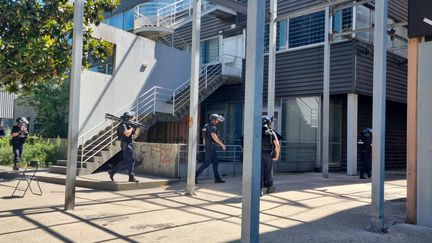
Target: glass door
column 335, row 132
column 300, row 121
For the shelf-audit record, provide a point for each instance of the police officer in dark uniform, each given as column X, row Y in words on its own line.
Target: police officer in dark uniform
column 19, row 135
column 125, row 133
column 270, row 151
column 211, row 140
column 365, row 148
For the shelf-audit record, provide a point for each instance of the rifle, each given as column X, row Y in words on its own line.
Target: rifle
column 122, row 120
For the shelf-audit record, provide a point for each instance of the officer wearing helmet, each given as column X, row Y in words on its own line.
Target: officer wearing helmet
column 210, row 141
column 365, row 148
column 270, row 151
column 19, row 135
column 125, row 133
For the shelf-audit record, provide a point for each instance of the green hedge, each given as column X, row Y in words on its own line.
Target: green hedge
column 45, row 151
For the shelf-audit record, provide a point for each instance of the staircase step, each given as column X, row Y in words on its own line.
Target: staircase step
column 55, row 169
column 91, row 159
column 91, row 152
column 64, row 163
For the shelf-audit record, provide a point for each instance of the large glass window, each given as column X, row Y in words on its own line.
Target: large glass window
column 128, row 20
column 306, row 30
column 282, row 35
column 209, row 52
column 300, row 120
column 105, row 67
column 116, row 21
column 343, row 20
column 364, row 20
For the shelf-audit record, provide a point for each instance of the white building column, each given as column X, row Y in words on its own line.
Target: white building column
column 352, row 124
column 194, row 93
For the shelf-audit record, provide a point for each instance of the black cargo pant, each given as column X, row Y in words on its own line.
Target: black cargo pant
column 210, row 158
column 17, row 151
column 266, row 169
column 128, row 161
column 365, row 159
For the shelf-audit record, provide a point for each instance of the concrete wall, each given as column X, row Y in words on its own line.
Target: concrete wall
column 157, row 159
column 100, row 93
column 424, row 139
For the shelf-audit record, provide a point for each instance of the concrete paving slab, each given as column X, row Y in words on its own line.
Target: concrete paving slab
column 305, row 208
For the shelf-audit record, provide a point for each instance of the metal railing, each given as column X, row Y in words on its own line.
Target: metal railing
column 208, row 75
column 166, row 15
column 145, row 105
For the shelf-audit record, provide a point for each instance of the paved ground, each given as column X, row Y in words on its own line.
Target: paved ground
column 306, row 208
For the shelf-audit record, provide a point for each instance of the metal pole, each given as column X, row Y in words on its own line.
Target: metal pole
column 326, row 96
column 272, row 58
column 378, row 118
column 194, row 92
column 252, row 121
column 77, row 45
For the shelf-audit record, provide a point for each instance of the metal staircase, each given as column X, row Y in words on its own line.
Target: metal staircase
column 154, row 20
column 100, row 144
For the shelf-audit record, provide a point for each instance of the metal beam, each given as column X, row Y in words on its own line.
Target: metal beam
column 378, row 117
column 74, row 97
column 272, row 58
column 252, row 121
column 326, row 95
column 194, row 93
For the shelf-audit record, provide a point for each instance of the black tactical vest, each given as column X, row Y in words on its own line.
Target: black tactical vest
column 267, row 139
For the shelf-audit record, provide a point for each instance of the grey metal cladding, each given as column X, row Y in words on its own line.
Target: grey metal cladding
column 7, row 102
column 398, row 10
column 210, row 27
column 301, row 72
column 396, row 73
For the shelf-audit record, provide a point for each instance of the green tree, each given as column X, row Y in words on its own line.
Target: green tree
column 51, row 101
column 35, row 40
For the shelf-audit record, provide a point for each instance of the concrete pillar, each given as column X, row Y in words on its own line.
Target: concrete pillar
column 412, row 131
column 352, row 125
column 194, row 93
column 424, row 138
column 326, row 96
column 74, row 97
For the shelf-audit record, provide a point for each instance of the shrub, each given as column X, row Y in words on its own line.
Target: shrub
column 46, row 152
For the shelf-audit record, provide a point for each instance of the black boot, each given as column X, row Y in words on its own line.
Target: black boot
column 133, row 179
column 15, row 167
column 270, row 189
column 111, row 175
column 261, row 192
column 219, row 180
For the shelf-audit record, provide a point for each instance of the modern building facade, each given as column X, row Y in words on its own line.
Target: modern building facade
column 166, row 27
